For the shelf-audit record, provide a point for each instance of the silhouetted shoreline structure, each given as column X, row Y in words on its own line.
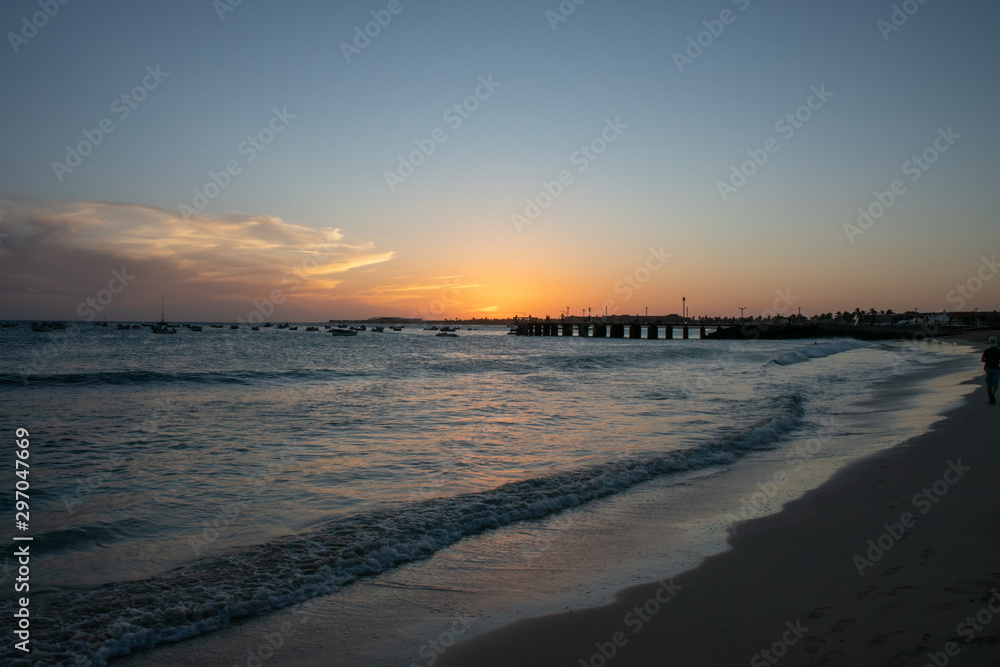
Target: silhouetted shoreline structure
column 745, row 331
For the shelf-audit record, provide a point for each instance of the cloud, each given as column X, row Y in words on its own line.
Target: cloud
column 58, row 253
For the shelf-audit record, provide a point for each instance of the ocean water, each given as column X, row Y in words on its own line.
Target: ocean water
column 178, row 483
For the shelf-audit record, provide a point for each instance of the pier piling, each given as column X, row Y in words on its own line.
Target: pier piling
column 632, row 331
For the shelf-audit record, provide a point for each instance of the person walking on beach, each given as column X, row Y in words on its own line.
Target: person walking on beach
column 991, row 363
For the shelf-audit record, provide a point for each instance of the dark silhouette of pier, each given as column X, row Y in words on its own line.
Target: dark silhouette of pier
column 744, row 331
column 607, row 330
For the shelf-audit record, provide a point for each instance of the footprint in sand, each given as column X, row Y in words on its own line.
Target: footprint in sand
column 814, row 644
column 898, row 590
column 833, row 657
column 962, row 591
column 926, row 555
column 908, row 657
column 945, row 606
column 843, row 624
column 866, row 590
column 892, row 606
column 817, row 613
column 891, row 571
column 988, row 640
column 883, row 637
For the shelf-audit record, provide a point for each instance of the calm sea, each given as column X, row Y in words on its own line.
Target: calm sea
column 178, row 482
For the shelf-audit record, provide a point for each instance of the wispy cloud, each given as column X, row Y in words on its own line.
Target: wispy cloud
column 57, row 253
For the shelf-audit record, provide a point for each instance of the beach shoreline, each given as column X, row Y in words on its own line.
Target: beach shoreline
column 891, row 561
column 666, row 527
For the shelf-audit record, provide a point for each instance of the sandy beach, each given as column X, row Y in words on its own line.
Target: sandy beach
column 890, row 562
column 879, row 555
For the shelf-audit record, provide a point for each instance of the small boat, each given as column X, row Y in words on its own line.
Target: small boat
column 255, row 328
column 235, row 326
column 40, row 327
column 124, row 327
column 378, row 329
column 195, row 327
column 343, row 332
column 216, row 326
column 396, row 328
column 57, row 326
column 162, row 324
column 163, row 329
column 312, row 328
column 9, row 325
column 292, row 328
column 136, row 326
column 446, row 334
column 430, row 328
column 268, row 324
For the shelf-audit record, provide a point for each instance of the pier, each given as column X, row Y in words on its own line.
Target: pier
column 745, row 331
column 648, row 331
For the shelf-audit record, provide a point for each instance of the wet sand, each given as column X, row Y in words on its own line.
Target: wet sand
column 893, row 561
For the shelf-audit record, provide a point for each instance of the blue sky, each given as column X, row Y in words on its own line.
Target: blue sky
column 226, row 76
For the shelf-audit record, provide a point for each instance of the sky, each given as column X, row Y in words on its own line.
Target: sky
column 310, row 160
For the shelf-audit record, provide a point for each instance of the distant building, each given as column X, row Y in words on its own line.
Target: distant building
column 976, row 318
